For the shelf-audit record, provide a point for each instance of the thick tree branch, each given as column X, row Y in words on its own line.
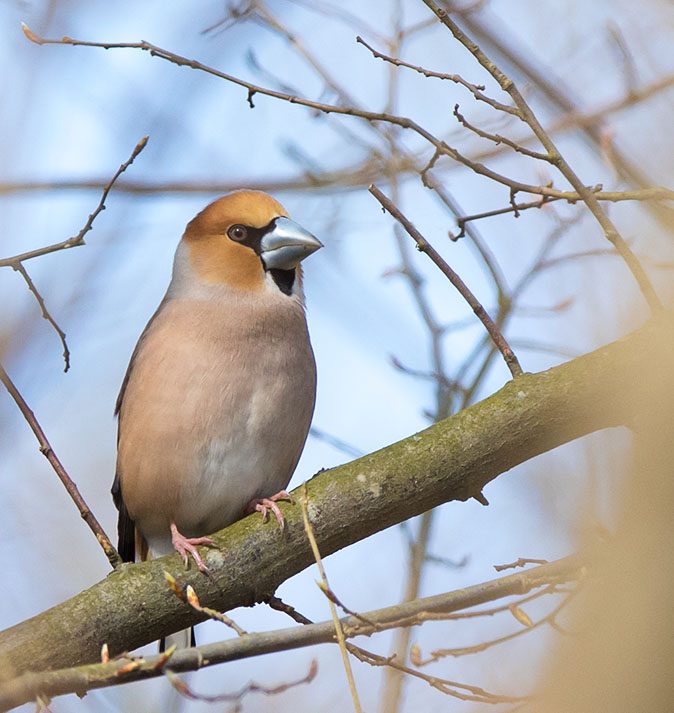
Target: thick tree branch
column 451, row 460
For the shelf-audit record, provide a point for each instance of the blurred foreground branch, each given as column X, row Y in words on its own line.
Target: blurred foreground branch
column 452, row 460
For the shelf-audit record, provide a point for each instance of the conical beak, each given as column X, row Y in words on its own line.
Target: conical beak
column 284, row 247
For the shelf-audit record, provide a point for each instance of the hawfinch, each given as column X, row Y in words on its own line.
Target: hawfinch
column 217, row 400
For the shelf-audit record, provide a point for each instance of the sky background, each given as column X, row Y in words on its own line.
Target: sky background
column 75, row 114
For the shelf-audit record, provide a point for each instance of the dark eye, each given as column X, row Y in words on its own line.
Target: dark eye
column 238, row 233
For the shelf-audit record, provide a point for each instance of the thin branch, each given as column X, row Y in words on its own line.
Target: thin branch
column 280, row 605
column 45, row 312
column 46, row 450
column 330, row 594
column 114, row 672
column 512, row 208
column 475, row 89
column 550, row 589
column 16, row 261
column 450, row 688
column 586, row 194
column 498, row 139
column 520, row 562
column 189, row 596
column 496, row 336
column 252, row 687
column 550, row 86
column 252, row 89
column 324, row 581
column 519, row 615
column 79, row 238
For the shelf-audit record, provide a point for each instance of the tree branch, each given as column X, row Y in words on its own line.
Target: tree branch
column 452, row 460
column 253, row 89
column 555, row 157
column 423, row 245
column 413, row 613
column 47, row 451
column 78, row 239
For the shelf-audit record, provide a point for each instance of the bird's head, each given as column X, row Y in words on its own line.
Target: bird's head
column 246, row 240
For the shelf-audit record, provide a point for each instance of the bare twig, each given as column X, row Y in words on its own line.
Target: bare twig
column 550, row 87
column 424, row 246
column 338, row 625
column 475, row 89
column 330, row 594
column 498, row 139
column 521, row 562
column 237, row 697
column 79, row 238
column 252, row 89
column 513, row 208
column 189, row 596
column 100, row 675
column 46, row 450
column 45, row 312
column 451, row 688
column 16, row 261
column 280, row 605
column 519, row 615
column 455, row 689
column 586, row 194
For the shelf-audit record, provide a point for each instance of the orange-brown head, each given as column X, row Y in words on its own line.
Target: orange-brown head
column 243, row 239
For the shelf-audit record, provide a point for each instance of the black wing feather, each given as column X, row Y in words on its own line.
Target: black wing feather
column 126, row 528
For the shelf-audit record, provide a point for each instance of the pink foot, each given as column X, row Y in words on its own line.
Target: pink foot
column 184, row 545
column 264, row 504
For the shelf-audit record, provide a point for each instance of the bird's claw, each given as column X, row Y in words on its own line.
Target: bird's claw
column 185, row 546
column 263, row 505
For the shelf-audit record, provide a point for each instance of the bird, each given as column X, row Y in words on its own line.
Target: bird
column 218, row 397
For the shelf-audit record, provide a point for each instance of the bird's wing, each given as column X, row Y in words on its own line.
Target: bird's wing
column 129, row 369
column 126, row 528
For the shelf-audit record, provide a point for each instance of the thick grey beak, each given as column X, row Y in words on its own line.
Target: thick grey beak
column 284, row 247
